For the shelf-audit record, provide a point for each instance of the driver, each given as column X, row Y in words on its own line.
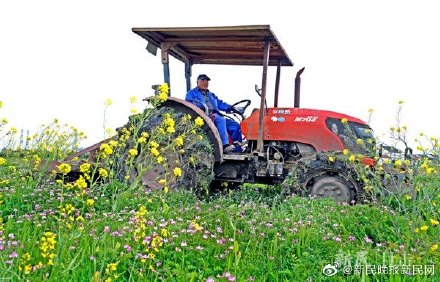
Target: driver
column 212, row 105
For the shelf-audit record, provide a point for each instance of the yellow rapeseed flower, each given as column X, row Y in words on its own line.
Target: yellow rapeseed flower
column 103, row 173
column 196, row 226
column 169, row 122
column 345, row 151
column 111, row 267
column 164, row 88
column 109, row 131
column 179, row 141
column 434, row 247
column 154, row 152
column 132, row 152
column 142, row 211
column 80, row 182
column 163, row 96
column 192, row 160
column 430, row 170
column 47, row 246
column 68, row 208
column 64, row 168
column 434, row 222
column 164, row 232
column 2, row 161
column 344, row 120
column 157, row 241
column 27, row 269
column 159, row 159
column 352, row 158
column 424, row 227
column 177, row 171
column 133, row 99
column 331, row 158
column 170, row 129
column 162, row 181
column 108, row 102
column 26, row 257
column 106, row 149
column 85, row 167
column 113, row 143
column 90, row 202
column 142, row 140
column 199, row 121
column 154, row 144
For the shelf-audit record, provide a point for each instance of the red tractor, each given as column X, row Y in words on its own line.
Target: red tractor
column 287, row 145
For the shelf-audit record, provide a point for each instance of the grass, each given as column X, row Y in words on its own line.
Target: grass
column 100, row 228
column 248, row 234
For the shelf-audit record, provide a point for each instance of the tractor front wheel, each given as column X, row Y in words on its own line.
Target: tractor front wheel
column 333, row 187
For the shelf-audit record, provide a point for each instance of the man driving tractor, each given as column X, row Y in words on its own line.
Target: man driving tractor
column 212, row 105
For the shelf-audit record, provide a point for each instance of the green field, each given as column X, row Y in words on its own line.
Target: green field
column 103, row 226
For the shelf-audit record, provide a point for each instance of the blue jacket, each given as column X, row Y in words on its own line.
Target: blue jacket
column 196, row 97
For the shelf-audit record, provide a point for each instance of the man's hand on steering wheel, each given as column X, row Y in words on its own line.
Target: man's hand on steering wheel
column 239, row 110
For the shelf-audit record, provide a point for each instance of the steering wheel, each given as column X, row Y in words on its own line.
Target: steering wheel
column 240, row 110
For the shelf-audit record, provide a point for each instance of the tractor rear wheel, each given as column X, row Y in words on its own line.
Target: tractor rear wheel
column 333, row 187
column 195, row 157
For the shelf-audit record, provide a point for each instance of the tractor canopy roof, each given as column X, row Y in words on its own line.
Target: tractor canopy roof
column 224, row 45
column 251, row 45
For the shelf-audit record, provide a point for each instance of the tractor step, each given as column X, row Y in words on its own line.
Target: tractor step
column 236, row 157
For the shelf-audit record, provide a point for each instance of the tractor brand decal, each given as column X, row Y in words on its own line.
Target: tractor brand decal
column 281, row 112
column 306, row 119
column 279, row 119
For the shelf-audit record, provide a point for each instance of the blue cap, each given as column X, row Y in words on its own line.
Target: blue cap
column 203, row 77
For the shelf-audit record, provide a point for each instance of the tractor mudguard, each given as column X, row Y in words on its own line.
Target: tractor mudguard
column 208, row 127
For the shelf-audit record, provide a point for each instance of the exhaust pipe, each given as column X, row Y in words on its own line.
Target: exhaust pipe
column 297, row 88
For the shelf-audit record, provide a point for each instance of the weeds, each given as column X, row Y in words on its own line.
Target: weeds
column 103, row 226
